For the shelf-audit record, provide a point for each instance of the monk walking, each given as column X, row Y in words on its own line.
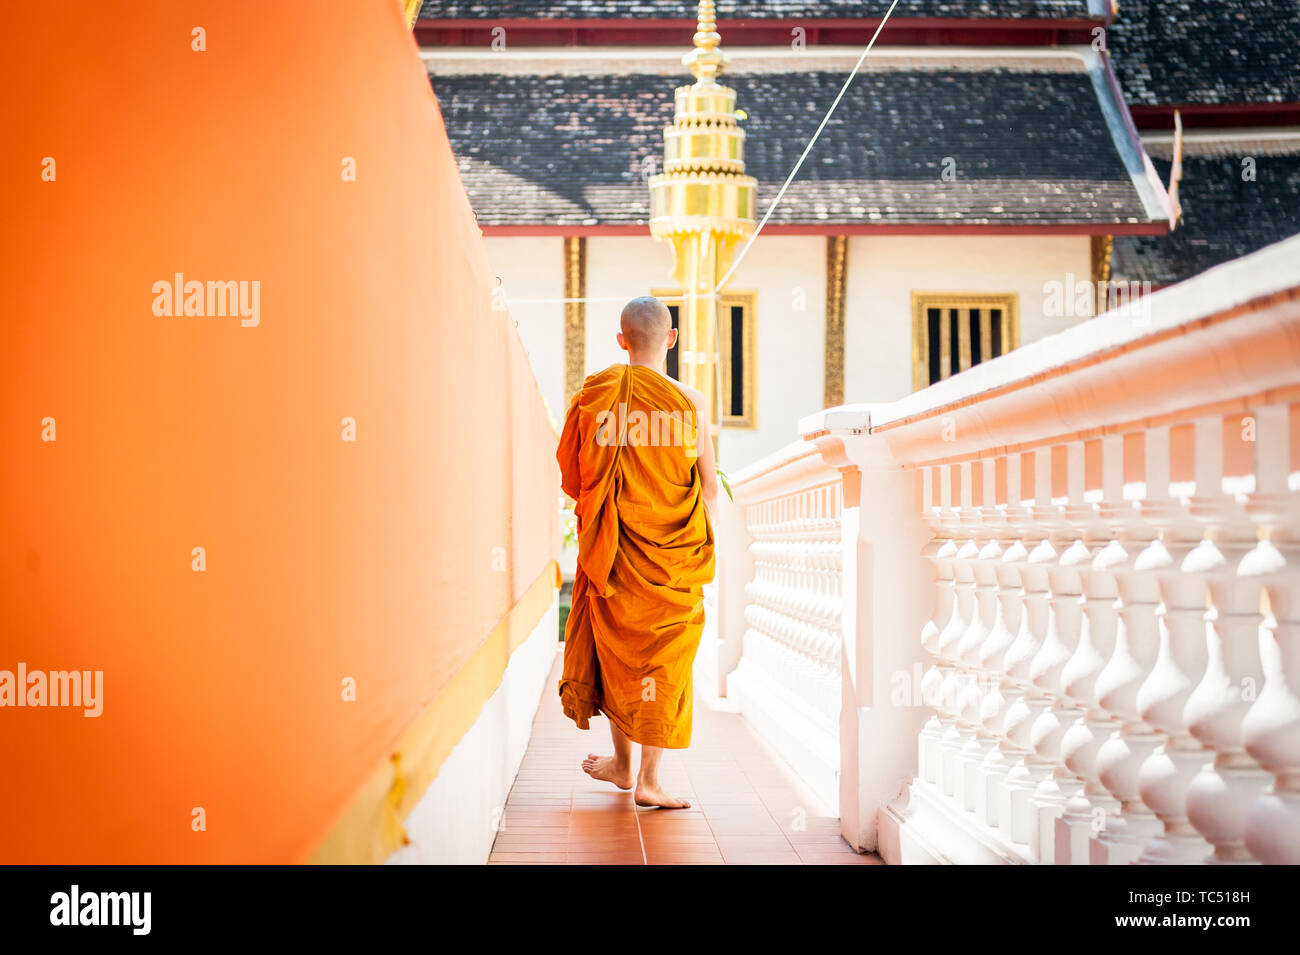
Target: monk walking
column 637, row 455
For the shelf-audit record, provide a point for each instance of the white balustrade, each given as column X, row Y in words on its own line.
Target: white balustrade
column 1068, row 578
column 793, row 609
column 788, row 678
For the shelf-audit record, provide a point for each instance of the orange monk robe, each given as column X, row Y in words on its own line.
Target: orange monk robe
column 645, row 552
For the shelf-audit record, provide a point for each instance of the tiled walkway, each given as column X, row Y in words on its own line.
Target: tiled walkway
column 747, row 806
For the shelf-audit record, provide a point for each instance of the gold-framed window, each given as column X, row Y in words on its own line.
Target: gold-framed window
column 737, row 353
column 952, row 331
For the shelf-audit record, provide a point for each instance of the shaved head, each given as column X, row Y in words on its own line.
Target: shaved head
column 645, row 323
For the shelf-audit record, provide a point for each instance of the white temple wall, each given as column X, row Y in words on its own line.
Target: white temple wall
column 532, row 267
column 884, row 271
column 789, row 275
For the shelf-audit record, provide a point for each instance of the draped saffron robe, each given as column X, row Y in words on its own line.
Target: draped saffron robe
column 645, row 551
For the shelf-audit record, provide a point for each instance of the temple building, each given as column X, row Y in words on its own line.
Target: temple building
column 975, row 158
column 983, row 153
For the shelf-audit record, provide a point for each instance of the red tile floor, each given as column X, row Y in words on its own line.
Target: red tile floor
column 747, row 805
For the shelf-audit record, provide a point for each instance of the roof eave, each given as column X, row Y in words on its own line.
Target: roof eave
column 851, row 228
column 1128, row 143
column 761, row 31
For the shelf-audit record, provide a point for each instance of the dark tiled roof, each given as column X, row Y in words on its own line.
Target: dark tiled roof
column 1224, row 217
column 1170, row 52
column 574, row 150
column 748, row 9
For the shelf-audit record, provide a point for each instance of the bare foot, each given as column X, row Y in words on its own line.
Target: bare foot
column 653, row 797
column 604, row 767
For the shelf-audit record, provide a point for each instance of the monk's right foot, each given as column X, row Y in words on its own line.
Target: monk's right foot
column 607, row 769
column 650, row 796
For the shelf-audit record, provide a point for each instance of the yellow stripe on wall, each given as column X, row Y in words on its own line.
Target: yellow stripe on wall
column 371, row 829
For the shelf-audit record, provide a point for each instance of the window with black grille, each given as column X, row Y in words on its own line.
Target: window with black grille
column 736, row 354
column 953, row 332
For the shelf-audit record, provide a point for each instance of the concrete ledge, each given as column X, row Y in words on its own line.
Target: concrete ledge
column 899, row 845
column 923, row 827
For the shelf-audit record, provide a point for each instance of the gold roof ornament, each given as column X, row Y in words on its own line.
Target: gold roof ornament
column 703, row 184
column 706, row 60
column 703, row 203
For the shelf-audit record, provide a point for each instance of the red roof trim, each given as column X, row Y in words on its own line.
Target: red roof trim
column 902, row 228
column 924, row 31
column 1217, row 115
column 865, row 23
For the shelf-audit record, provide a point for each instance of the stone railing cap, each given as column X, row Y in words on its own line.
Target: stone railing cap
column 770, row 462
column 850, row 418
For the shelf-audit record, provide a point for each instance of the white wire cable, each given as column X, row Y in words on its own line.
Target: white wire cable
column 561, row 301
column 717, row 330
column 806, row 150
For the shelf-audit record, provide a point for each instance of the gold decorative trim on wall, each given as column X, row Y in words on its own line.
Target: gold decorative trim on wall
column 837, row 272
column 575, row 315
column 922, row 302
column 748, row 301
column 1102, row 246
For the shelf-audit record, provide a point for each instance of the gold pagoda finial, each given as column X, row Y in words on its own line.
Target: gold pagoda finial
column 706, row 26
column 702, row 204
column 706, row 60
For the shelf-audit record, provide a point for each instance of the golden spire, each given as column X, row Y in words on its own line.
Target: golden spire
column 706, row 60
column 702, row 204
column 703, row 185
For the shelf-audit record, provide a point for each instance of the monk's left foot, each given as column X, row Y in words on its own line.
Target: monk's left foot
column 652, row 797
column 607, row 768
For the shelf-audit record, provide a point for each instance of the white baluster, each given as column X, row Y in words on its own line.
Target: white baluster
column 970, row 652
column 1221, row 794
column 998, row 653
column 1180, row 664
column 970, row 649
column 1024, row 665
column 1102, row 523
column 1120, row 757
column 955, row 675
column 1065, row 555
column 1271, row 728
column 939, row 552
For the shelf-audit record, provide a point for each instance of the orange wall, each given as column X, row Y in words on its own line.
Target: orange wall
column 326, row 559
